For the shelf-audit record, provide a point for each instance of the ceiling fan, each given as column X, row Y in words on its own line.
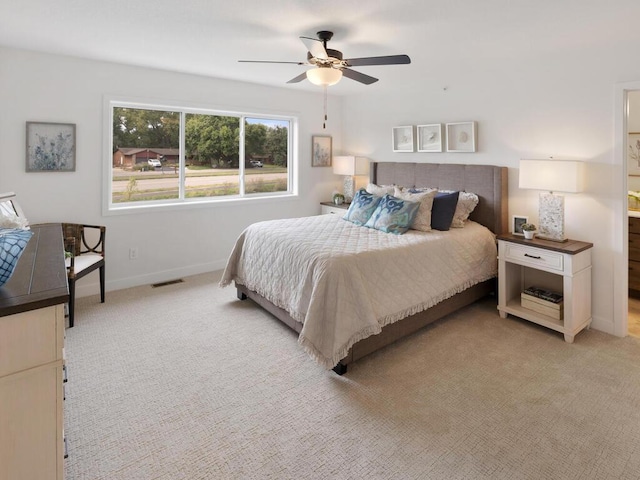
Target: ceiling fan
column 330, row 65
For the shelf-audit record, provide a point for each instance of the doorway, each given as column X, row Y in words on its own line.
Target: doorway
column 632, row 160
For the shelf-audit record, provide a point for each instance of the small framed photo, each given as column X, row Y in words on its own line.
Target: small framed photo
column 461, row 137
column 430, row 138
column 516, row 224
column 321, row 151
column 402, row 138
column 51, row 147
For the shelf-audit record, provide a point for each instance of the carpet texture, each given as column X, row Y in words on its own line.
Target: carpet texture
column 187, row 382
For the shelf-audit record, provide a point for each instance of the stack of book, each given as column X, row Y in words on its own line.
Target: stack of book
column 543, row 301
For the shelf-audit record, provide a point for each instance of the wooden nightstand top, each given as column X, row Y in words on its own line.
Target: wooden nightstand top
column 570, row 247
column 345, row 205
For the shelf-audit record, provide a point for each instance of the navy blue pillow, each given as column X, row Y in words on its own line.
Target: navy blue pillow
column 444, row 207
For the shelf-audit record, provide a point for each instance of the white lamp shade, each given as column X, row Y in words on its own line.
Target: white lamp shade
column 552, row 175
column 324, row 76
column 351, row 165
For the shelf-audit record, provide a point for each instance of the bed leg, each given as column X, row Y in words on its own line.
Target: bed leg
column 340, row 369
column 240, row 294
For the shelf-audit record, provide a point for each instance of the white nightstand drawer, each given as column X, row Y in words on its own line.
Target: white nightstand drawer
column 538, row 257
column 335, row 210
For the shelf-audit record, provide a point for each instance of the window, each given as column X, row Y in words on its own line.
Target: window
column 174, row 155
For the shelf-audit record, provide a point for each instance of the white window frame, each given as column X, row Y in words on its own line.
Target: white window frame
column 110, row 208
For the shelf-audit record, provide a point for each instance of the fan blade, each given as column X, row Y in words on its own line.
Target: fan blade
column 385, row 60
column 271, row 61
column 315, row 47
column 358, row 77
column 299, row 78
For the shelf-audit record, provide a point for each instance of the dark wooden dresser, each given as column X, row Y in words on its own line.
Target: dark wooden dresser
column 634, row 257
column 31, row 360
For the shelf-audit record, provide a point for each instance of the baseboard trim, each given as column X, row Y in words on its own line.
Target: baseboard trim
column 88, row 288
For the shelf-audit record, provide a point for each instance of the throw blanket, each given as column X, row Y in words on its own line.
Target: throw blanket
column 345, row 282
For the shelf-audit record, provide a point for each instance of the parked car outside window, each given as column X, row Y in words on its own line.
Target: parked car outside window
column 256, row 163
column 154, row 162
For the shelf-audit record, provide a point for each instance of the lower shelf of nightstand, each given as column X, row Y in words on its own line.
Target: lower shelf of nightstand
column 514, row 308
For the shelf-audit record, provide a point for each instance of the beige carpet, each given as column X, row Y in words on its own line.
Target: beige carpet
column 187, row 382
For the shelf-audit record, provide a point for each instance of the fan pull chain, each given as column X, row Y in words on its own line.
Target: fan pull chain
column 324, row 124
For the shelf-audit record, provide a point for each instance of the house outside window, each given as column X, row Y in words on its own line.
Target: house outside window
column 168, row 156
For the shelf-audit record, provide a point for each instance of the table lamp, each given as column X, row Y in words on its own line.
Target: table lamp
column 350, row 167
column 552, row 176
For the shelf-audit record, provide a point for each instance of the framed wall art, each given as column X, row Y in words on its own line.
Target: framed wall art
column 516, row 224
column 430, row 138
column 402, row 138
column 633, row 154
column 321, row 151
column 51, row 147
column 461, row 137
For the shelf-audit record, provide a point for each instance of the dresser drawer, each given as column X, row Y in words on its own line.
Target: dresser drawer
column 537, row 257
column 634, row 246
column 334, row 210
column 29, row 339
column 634, row 275
column 634, row 225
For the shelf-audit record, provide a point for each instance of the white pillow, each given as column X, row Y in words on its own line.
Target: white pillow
column 380, row 190
column 467, row 202
column 422, row 221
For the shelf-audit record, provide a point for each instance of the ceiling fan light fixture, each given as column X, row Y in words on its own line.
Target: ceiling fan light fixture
column 324, row 76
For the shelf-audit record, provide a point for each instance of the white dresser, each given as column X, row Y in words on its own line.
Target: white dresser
column 31, row 361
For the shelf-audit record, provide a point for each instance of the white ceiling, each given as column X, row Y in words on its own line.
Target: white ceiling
column 208, row 37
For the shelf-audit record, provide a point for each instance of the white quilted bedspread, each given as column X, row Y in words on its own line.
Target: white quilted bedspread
column 345, row 282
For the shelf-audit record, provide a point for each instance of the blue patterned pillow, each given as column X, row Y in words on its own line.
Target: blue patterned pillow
column 393, row 215
column 12, row 244
column 362, row 207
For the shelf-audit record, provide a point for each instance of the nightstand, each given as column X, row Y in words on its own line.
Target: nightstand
column 330, row 207
column 560, row 267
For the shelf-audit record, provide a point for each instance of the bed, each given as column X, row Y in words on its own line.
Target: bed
column 349, row 290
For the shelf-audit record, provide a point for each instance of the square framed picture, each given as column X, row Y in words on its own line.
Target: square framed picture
column 461, row 137
column 321, row 151
column 430, row 138
column 516, row 224
column 51, row 147
column 402, row 138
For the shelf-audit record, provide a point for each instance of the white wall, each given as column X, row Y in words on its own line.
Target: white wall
column 49, row 88
column 563, row 109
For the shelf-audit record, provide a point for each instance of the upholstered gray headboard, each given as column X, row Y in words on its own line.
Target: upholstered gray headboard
column 489, row 182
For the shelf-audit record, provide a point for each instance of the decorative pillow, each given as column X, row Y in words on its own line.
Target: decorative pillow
column 393, row 215
column 467, row 202
column 443, row 210
column 422, row 221
column 380, row 190
column 362, row 207
column 12, row 244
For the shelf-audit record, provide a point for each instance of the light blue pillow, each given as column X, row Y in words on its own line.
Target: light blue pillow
column 12, row 244
column 393, row 215
column 362, row 207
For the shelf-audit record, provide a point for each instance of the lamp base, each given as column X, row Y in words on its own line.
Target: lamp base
column 551, row 217
column 348, row 186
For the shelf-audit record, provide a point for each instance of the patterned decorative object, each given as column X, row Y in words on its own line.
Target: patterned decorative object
column 393, row 215
column 422, row 221
column 551, row 217
column 12, row 243
column 362, row 207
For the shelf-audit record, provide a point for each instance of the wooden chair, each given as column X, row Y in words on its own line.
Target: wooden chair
column 86, row 255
